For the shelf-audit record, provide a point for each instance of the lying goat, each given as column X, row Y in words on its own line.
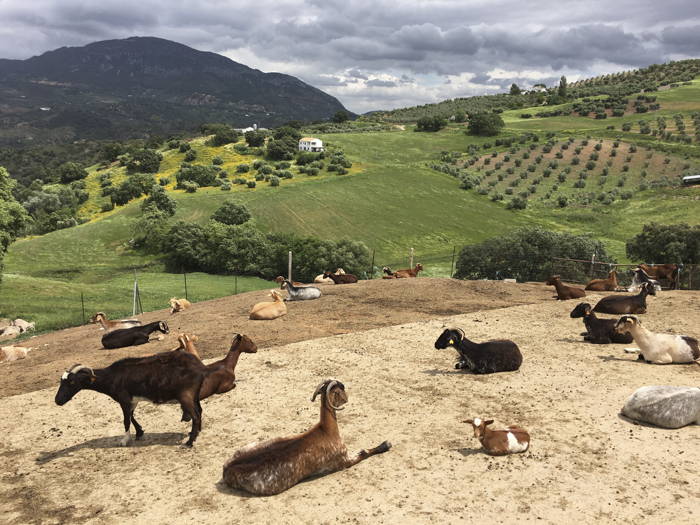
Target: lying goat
column 660, row 349
column 111, row 326
column 178, row 305
column 639, row 277
column 511, row 440
column 301, row 293
column 273, row 466
column 626, row 304
column 598, row 331
column 168, row 377
column 138, row 335
column 481, row 358
column 565, row 292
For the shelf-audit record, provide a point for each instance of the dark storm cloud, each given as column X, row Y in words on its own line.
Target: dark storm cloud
column 381, row 53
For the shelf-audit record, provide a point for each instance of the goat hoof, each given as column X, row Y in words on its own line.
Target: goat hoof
column 139, row 436
column 188, row 444
column 384, row 446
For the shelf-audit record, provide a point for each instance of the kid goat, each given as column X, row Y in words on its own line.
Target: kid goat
column 481, row 358
column 660, row 349
column 273, row 466
column 510, row 440
column 168, row 377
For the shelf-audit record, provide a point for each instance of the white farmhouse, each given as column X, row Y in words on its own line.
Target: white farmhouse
column 310, row 144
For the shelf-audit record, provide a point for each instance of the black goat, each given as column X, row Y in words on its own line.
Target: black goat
column 626, row 304
column 138, row 335
column 168, row 377
column 599, row 331
column 481, row 358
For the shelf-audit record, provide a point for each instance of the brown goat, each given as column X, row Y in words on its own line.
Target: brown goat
column 273, row 466
column 411, row 272
column 109, row 326
column 187, row 342
column 346, row 278
column 662, row 271
column 565, row 292
column 510, row 440
column 604, row 285
column 280, row 280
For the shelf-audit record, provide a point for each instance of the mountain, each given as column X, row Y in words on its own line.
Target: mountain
column 141, row 86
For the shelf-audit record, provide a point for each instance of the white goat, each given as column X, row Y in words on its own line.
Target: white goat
column 13, row 353
column 660, row 349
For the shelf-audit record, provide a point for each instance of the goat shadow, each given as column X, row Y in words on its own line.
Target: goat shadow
column 607, row 358
column 466, row 452
column 148, row 440
column 624, row 418
column 443, row 372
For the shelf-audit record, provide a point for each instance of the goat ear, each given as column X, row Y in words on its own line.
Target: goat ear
column 488, row 422
column 470, row 421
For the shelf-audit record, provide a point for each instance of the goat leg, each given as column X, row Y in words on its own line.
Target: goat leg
column 364, row 454
column 128, row 411
column 139, row 428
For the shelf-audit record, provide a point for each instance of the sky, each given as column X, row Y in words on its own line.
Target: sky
column 382, row 54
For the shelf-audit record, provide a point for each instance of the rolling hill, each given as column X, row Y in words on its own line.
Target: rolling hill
column 141, row 86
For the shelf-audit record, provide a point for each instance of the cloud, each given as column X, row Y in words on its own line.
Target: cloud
column 375, row 54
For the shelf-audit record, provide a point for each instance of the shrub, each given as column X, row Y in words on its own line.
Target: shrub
column 274, row 180
column 517, row 203
column 189, row 186
column 190, row 156
column 677, row 243
column 160, row 200
column 231, row 213
column 184, row 147
column 562, row 201
column 435, row 123
column 251, row 184
column 202, row 175
column 71, row 171
column 485, row 124
column 217, row 161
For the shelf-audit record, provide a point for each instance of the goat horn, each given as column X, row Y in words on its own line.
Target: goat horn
column 461, row 332
column 318, row 390
column 331, row 384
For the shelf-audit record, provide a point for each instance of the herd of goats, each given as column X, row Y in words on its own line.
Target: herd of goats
column 270, row 467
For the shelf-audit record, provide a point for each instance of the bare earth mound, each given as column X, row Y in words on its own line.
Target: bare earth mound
column 585, row 464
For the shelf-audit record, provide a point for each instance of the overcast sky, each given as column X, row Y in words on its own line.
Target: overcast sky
column 382, row 54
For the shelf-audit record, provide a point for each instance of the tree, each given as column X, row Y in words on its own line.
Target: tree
column 13, row 217
column 70, row 171
column 160, row 200
column 287, row 131
column 340, row 116
column 202, row 175
column 485, row 124
column 561, row 91
column 231, row 213
column 255, row 138
column 282, row 148
column 525, row 254
column 144, row 161
column 514, row 89
column 666, row 243
column 223, row 134
column 430, row 123
column 460, row 116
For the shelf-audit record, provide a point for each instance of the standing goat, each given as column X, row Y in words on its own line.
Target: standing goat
column 300, row 293
column 138, row 335
column 171, row 376
column 410, row 272
column 668, row 272
column 269, row 310
column 598, row 331
column 481, row 358
column 110, row 326
column 604, row 285
column 346, row 278
column 626, row 304
column 274, row 466
column 510, row 440
column 660, row 349
column 565, row 292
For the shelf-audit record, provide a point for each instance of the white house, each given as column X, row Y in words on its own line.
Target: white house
column 310, row 144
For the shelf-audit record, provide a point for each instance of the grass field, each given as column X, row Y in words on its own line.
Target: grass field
column 392, row 200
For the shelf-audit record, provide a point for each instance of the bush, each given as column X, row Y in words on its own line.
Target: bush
column 71, row 171
column 562, row 201
column 107, row 206
column 164, row 181
column 485, row 124
column 144, row 161
column 184, row 147
column 223, row 134
column 430, row 123
column 202, row 175
column 274, row 180
column 517, row 203
column 217, row 161
column 160, row 200
column 189, row 186
column 133, row 187
column 231, row 213
column 526, row 254
column 659, row 243
column 254, row 139
column 251, row 183
column 190, row 156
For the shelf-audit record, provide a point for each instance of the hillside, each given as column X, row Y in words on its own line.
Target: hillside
column 141, row 86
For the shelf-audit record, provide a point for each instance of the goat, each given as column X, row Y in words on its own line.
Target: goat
column 13, row 353
column 110, row 326
column 625, row 304
column 186, row 343
column 10, row 332
column 388, row 273
column 640, row 277
column 481, row 358
column 410, row 272
column 301, row 293
column 664, row 406
column 23, row 325
column 174, row 376
column 603, row 285
column 662, row 271
column 266, row 311
column 178, row 305
column 137, row 335
column 273, row 466
column 320, row 279
column 510, row 440
column 660, row 349
column 598, row 331
column 565, row 292
column 280, row 280
column 346, row 278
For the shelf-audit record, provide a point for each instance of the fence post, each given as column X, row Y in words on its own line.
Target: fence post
column 136, row 291
column 82, row 302
column 371, row 268
column 184, row 274
column 289, row 267
column 592, row 264
column 452, row 267
column 235, row 285
column 410, row 260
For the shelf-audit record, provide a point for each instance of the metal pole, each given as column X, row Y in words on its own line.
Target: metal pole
column 136, row 287
column 371, row 268
column 452, row 268
column 289, row 267
column 185, row 276
column 235, row 285
column 138, row 294
column 82, row 302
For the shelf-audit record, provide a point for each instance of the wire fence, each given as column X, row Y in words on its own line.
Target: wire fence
column 582, row 271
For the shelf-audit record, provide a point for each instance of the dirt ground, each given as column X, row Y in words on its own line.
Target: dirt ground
column 586, row 464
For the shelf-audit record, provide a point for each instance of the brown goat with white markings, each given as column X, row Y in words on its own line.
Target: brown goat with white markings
column 276, row 465
column 510, row 440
